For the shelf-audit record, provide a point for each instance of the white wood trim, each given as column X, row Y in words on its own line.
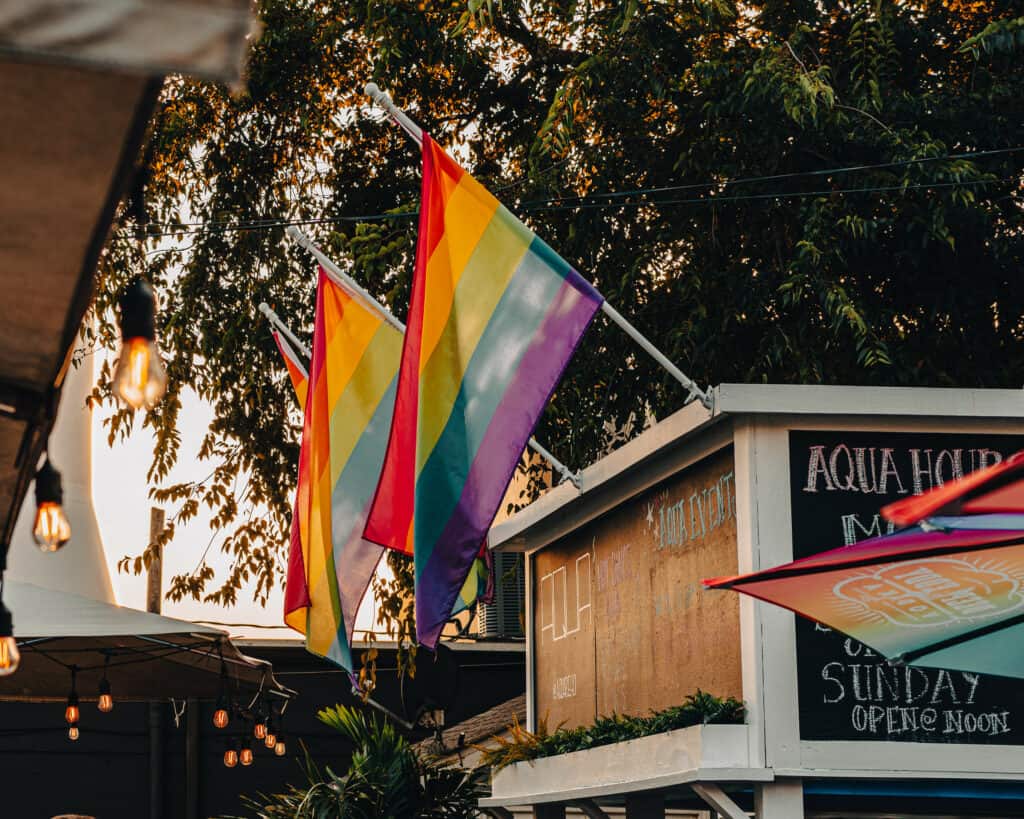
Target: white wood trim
column 701, row 753
column 835, row 401
column 773, row 545
column 531, row 679
column 751, row 667
column 913, row 760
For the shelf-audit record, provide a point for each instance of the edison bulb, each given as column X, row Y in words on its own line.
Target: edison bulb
column 140, row 379
column 105, row 703
column 220, row 718
column 51, row 530
column 279, row 748
column 73, row 733
column 71, row 714
column 270, row 741
column 230, row 758
column 260, row 730
column 9, row 656
column 245, row 757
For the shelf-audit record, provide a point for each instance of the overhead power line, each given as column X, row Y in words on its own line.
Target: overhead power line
column 583, row 205
column 604, row 201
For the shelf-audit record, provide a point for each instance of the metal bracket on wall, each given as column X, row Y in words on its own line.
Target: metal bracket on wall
column 590, row 808
column 719, row 800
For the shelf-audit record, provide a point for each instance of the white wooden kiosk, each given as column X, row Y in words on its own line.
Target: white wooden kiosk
column 617, row 619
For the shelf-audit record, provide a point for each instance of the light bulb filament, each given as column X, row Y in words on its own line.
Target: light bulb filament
column 51, row 530
column 9, row 656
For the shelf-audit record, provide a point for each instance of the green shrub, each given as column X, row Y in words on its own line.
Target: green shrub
column 386, row 779
column 522, row 745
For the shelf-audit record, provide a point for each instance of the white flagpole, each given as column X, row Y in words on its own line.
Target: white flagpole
column 276, row 321
column 383, row 99
column 343, row 280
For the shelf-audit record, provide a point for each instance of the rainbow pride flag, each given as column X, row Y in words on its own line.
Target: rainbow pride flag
column 298, row 372
column 355, row 375
column 298, row 369
column 494, row 319
column 348, row 414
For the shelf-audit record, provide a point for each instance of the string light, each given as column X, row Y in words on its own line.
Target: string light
column 9, row 654
column 73, row 733
column 245, row 756
column 279, row 746
column 230, row 755
column 106, row 701
column 270, row 740
column 71, row 712
column 139, row 378
column 261, row 719
column 51, row 529
column 221, row 717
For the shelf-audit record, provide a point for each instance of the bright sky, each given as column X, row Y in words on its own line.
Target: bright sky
column 122, row 509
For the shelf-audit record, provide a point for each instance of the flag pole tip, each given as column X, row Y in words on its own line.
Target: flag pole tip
column 373, row 90
column 265, row 309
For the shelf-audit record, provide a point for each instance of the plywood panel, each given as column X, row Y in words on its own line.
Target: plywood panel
column 564, row 632
column 643, row 634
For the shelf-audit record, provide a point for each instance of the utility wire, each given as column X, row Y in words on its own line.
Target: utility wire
column 793, row 175
column 276, row 222
column 539, row 207
column 761, row 196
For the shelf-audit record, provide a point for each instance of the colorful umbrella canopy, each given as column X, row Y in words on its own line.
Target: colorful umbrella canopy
column 950, row 599
column 998, row 489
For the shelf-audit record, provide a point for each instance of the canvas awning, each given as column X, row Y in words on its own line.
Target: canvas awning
column 79, row 80
column 146, row 656
column 204, row 38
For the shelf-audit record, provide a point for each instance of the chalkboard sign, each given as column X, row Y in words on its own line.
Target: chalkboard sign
column 838, row 482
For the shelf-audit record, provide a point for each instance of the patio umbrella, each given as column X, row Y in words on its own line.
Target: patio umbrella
column 143, row 656
column 951, row 599
column 995, row 491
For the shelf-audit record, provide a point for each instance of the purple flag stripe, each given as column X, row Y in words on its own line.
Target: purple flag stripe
column 538, row 374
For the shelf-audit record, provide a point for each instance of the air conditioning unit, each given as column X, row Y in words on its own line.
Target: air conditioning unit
column 503, row 619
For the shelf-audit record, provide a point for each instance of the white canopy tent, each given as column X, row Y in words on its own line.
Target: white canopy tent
column 145, row 656
column 203, row 38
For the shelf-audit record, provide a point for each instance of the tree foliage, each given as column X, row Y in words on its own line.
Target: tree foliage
column 687, row 156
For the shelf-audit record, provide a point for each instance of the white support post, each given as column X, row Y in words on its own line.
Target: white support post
column 276, row 321
column 781, row 799
column 343, row 280
column 383, row 99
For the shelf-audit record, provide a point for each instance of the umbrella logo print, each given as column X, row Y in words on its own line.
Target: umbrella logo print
column 929, row 593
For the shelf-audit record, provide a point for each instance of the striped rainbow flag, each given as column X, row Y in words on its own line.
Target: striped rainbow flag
column 298, row 369
column 298, row 372
column 494, row 319
column 348, row 414
column 363, row 354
